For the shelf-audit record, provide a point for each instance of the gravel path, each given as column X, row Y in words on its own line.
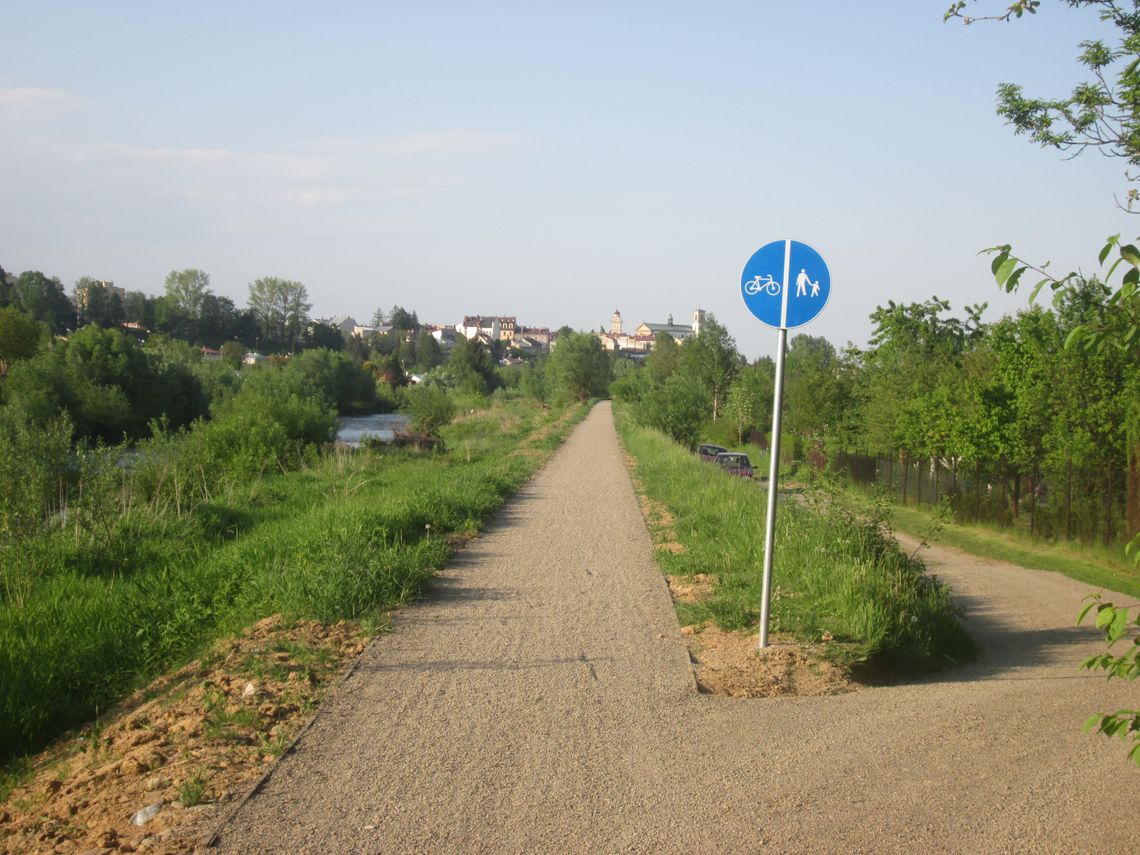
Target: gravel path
column 541, row 700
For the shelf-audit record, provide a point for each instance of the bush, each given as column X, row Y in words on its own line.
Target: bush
column 676, row 407
column 430, row 409
column 337, row 378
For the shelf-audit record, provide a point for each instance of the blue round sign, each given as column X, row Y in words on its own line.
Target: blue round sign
column 785, row 284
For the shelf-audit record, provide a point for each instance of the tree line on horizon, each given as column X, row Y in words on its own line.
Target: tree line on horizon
column 1002, row 412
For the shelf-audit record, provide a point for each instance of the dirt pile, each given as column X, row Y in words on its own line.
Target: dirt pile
column 159, row 770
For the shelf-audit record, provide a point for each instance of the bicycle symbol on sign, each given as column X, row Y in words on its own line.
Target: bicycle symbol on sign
column 765, row 283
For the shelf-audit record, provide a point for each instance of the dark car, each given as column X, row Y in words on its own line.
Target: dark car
column 709, row 452
column 735, row 463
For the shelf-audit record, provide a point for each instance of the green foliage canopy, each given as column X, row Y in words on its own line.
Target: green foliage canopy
column 578, row 368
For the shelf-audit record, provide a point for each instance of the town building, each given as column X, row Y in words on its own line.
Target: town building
column 445, row 336
column 349, row 326
column 642, row 339
column 500, row 328
column 541, row 336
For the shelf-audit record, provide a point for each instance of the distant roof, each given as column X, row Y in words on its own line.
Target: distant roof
column 669, row 328
column 486, row 320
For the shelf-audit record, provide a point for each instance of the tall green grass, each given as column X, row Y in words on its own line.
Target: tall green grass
column 351, row 536
column 833, row 570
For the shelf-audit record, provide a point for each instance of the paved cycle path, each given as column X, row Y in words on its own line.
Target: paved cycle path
column 541, row 700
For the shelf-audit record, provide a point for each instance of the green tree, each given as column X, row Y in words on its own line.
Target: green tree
column 712, row 360
column 20, row 337
column 318, row 335
column 188, row 288
column 335, row 378
column 170, row 319
column 532, row 381
column 232, row 352
column 749, row 400
column 139, row 308
column 1101, row 113
column 1104, row 114
column 914, row 350
column 578, row 369
column 406, row 353
column 401, row 319
column 219, row 320
column 107, row 385
column 677, row 408
column 662, row 360
column 428, row 352
column 90, row 301
column 471, row 367
column 44, row 299
column 5, row 290
column 281, row 307
column 430, row 409
column 815, row 394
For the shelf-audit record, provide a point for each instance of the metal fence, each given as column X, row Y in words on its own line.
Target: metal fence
column 1064, row 503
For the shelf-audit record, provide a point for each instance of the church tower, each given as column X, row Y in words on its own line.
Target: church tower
column 698, row 319
column 615, row 323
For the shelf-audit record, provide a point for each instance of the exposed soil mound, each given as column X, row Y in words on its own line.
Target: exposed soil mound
column 177, row 752
column 729, row 663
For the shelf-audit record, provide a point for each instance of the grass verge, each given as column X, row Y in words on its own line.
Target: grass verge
column 1085, row 565
column 837, row 576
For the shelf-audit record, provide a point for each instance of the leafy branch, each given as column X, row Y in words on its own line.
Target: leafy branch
column 1118, row 624
column 1015, row 10
column 1102, row 113
column 1120, row 326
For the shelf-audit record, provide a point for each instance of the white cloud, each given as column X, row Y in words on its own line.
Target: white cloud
column 32, row 102
column 316, row 196
column 321, row 173
column 297, row 193
column 446, row 142
column 189, row 156
column 219, row 160
column 422, row 143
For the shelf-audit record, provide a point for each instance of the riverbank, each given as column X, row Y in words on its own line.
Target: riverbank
column 351, row 536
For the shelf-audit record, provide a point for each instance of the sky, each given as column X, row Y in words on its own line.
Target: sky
column 553, row 161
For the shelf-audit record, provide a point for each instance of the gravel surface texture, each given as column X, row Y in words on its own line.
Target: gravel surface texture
column 541, row 700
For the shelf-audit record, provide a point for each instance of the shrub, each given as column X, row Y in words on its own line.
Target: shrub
column 336, row 377
column 430, row 409
column 676, row 407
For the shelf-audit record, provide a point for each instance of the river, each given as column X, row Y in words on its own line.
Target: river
column 382, row 426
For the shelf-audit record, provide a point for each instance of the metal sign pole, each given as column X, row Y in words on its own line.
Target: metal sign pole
column 769, row 299
column 773, row 477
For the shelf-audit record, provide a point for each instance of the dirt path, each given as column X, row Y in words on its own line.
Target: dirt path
column 542, row 701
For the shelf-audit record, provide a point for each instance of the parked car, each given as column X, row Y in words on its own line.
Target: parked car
column 709, row 452
column 735, row 463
